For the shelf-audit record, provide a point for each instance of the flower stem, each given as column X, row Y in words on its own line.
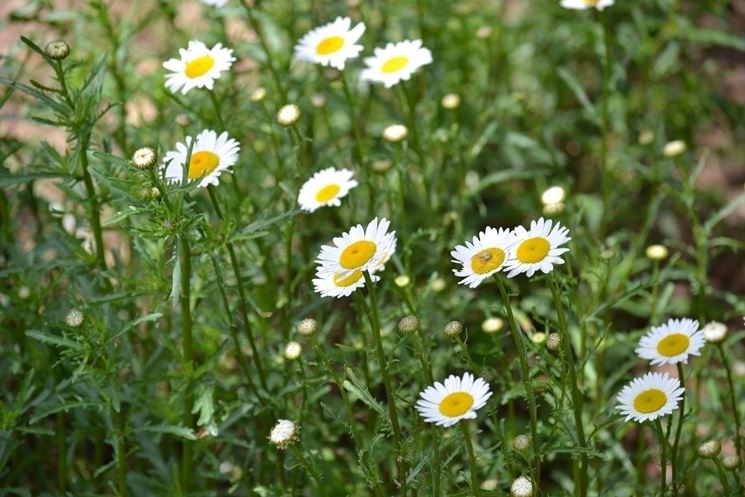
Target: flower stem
column 94, row 207
column 216, row 105
column 678, row 431
column 265, row 47
column 392, row 414
column 732, row 398
column 517, row 339
column 188, row 356
column 566, row 342
column 242, row 301
column 121, row 452
column 471, row 458
column 722, row 475
column 320, row 486
column 663, row 456
column 359, row 144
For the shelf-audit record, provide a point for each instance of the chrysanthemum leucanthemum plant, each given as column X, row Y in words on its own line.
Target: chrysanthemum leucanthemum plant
column 184, row 254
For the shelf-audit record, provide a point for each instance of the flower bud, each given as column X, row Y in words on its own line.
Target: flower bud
column 657, row 252
column 709, row 450
column 144, row 158
column 408, row 324
column 731, row 461
column 492, row 325
column 674, row 148
column 553, row 342
column 402, row 281
column 258, row 94
column 538, row 337
column 395, row 133
column 453, row 328
column 74, row 318
column 521, row 487
column 288, row 115
column 715, row 332
column 553, row 195
column 57, row 49
column 293, row 351
column 308, row 327
column 450, row 101
column 521, row 443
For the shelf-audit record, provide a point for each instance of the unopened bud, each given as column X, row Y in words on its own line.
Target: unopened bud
column 307, row 327
column 710, row 449
column 409, row 324
column 57, row 49
column 453, row 328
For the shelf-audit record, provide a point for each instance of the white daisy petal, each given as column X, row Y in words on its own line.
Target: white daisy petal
column 586, row 4
column 649, row 397
column 198, row 67
column 457, row 399
column 671, row 343
column 207, row 162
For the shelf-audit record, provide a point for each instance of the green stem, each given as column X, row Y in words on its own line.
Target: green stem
column 471, row 458
column 517, row 339
column 427, row 369
column 265, row 47
column 732, row 398
column 216, row 105
column 188, row 352
column 93, row 204
column 320, row 486
column 722, row 475
column 392, row 414
column 359, row 144
column 678, row 431
column 61, row 453
column 121, row 452
column 663, row 456
column 605, row 123
column 242, row 301
column 577, row 403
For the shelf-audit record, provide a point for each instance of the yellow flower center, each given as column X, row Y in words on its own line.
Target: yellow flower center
column 199, row 66
column 329, row 45
column 349, row 280
column 394, row 64
column 327, row 193
column 591, row 3
column 487, row 260
column 202, row 163
column 456, row 404
column 533, row 250
column 357, row 254
column 674, row 344
column 650, row 400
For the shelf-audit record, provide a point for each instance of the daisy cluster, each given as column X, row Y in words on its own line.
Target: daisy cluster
column 658, row 394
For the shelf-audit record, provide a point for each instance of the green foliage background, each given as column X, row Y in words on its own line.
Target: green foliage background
column 548, row 96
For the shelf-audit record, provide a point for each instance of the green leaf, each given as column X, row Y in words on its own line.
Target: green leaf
column 34, row 93
column 132, row 324
column 713, row 37
column 54, row 340
column 178, row 430
column 121, row 215
column 14, row 179
column 48, row 410
column 579, row 93
column 355, row 386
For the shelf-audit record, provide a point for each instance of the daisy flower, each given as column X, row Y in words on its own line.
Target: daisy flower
column 210, row 156
column 586, row 4
column 331, row 44
column 396, row 62
column 458, row 398
column 198, row 66
column 649, row 397
column 325, row 188
column 672, row 342
column 538, row 248
column 360, row 249
column 338, row 285
column 215, row 3
column 483, row 257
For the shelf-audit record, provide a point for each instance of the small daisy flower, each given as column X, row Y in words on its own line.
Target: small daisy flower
column 331, row 44
column 360, row 249
column 672, row 342
column 586, row 4
column 198, row 66
column 215, row 3
column 339, row 284
column 649, row 397
column 396, row 62
column 538, row 248
column 456, row 399
column 326, row 188
column 483, row 257
column 210, row 156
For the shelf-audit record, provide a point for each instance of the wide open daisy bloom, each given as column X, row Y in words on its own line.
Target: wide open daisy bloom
column 326, row 188
column 649, row 397
column 586, row 4
column 337, row 285
column 538, row 248
column 198, row 66
column 360, row 249
column 210, row 156
column 331, row 44
column 456, row 399
column 396, row 62
column 672, row 342
column 483, row 257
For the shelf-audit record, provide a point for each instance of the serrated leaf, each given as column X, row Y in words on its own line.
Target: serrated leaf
column 54, row 340
column 121, row 215
column 355, row 386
